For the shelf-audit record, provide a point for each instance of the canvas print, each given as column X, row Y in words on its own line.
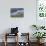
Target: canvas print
column 17, row 12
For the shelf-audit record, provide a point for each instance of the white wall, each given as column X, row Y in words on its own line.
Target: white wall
column 24, row 23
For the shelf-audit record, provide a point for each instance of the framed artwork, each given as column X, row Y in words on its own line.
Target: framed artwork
column 17, row 12
column 41, row 12
column 41, row 8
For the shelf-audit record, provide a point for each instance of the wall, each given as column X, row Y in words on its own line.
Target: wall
column 24, row 23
